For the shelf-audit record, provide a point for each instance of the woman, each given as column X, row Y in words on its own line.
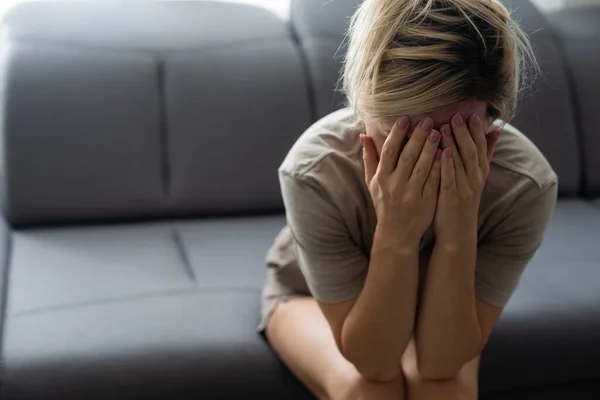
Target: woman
column 413, row 212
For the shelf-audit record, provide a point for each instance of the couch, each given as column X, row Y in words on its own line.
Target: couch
column 139, row 150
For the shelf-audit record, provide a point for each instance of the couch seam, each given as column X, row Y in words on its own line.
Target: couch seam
column 306, row 70
column 226, row 46
column 183, row 255
column 4, row 299
column 121, row 299
column 582, row 192
column 163, row 127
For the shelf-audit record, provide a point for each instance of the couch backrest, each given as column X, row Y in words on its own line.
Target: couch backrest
column 546, row 116
column 578, row 33
column 145, row 109
column 115, row 110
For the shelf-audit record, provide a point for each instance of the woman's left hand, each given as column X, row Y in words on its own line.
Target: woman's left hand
column 464, row 172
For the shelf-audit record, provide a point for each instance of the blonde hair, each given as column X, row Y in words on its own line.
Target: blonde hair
column 413, row 57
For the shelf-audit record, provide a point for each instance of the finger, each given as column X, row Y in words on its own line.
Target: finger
column 393, row 145
column 411, row 152
column 459, row 168
column 432, row 185
column 425, row 161
column 492, row 140
column 466, row 146
column 370, row 158
column 478, row 137
column 448, row 139
column 448, row 178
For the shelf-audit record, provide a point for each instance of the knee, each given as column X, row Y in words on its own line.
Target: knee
column 359, row 388
column 455, row 388
column 462, row 386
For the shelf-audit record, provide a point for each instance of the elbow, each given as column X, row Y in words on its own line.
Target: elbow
column 371, row 367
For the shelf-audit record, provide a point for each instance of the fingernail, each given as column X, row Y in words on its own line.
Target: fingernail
column 446, row 130
column 434, row 136
column 476, row 119
column 427, row 124
column 449, row 153
column 458, row 120
column 403, row 122
column 438, row 154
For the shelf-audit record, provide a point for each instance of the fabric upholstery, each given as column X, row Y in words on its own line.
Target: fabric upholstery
column 578, row 33
column 548, row 331
column 186, row 298
column 145, row 109
column 141, row 311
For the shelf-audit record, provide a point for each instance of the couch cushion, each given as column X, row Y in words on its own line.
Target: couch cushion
column 548, row 333
column 578, row 33
column 149, row 311
column 320, row 27
column 170, row 309
column 108, row 114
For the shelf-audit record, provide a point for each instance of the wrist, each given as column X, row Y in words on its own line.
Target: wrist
column 458, row 241
column 388, row 239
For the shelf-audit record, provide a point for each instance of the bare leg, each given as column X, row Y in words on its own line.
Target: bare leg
column 302, row 338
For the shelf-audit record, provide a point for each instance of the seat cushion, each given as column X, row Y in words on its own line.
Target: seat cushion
column 169, row 310
column 548, row 333
column 151, row 311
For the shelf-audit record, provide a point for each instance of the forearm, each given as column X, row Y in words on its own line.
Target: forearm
column 380, row 325
column 448, row 333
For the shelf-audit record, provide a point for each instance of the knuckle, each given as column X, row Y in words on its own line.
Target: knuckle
column 418, row 171
column 466, row 195
column 471, row 154
column 409, row 199
column 388, row 150
column 459, row 162
column 408, row 158
column 376, row 182
column 448, row 185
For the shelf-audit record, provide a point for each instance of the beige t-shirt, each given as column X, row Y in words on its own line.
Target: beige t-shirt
column 332, row 219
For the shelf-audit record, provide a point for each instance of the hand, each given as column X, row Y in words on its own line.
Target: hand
column 404, row 183
column 463, row 177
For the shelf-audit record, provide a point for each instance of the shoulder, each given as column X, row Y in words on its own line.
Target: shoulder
column 333, row 136
column 521, row 191
column 327, row 154
column 518, row 162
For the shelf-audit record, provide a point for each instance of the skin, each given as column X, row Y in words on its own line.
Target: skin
column 453, row 326
column 440, row 356
column 379, row 131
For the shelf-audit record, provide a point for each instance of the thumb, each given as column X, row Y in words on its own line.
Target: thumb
column 492, row 139
column 370, row 157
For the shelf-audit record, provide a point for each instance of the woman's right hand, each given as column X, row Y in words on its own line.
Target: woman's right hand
column 404, row 181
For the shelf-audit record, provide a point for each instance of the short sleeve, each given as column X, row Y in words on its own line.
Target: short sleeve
column 332, row 263
column 507, row 249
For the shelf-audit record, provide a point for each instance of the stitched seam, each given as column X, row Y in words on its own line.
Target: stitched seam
column 4, row 297
column 185, row 260
column 163, row 124
column 115, row 300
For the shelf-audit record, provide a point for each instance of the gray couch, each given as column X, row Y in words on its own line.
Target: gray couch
column 140, row 144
